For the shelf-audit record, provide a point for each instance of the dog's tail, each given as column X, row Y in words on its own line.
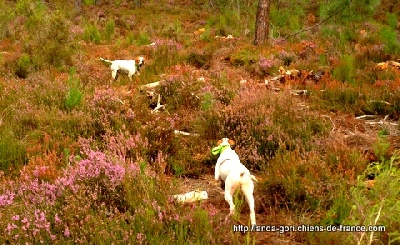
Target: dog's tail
column 106, row 61
column 250, row 175
column 253, row 178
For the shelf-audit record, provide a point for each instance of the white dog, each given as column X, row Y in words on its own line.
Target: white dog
column 230, row 170
column 127, row 66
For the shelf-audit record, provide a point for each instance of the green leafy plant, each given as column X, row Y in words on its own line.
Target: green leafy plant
column 109, row 30
column 391, row 41
column 24, row 66
column 345, row 71
column 377, row 205
column 92, row 34
column 74, row 95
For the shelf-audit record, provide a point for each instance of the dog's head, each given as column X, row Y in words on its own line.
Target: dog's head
column 225, row 141
column 140, row 62
column 222, row 144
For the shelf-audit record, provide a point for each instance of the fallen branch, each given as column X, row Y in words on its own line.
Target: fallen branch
column 151, row 85
column 379, row 101
column 382, row 122
column 159, row 106
column 277, row 78
column 367, row 117
column 191, row 196
column 299, row 92
column 184, row 133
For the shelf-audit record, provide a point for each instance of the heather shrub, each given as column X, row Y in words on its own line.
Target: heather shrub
column 105, row 108
column 199, row 60
column 261, row 125
column 298, row 129
column 179, row 93
column 339, row 98
column 297, row 183
column 101, row 196
column 167, row 54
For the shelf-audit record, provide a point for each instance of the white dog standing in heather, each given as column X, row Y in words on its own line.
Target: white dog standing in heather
column 230, row 170
column 130, row 67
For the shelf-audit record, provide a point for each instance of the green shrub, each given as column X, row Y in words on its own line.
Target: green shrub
column 74, row 95
column 58, row 49
column 6, row 16
column 12, row 152
column 346, row 70
column 24, row 66
column 391, row 41
column 207, row 102
column 244, row 57
column 109, row 30
column 92, row 34
column 199, row 60
column 346, row 98
column 377, row 204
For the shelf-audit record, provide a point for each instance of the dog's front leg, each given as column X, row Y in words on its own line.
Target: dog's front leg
column 217, row 174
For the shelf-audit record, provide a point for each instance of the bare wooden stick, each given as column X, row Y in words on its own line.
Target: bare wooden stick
column 151, row 85
column 159, row 106
column 379, row 101
column 381, row 122
column 299, row 92
column 184, row 133
column 371, row 236
column 367, row 117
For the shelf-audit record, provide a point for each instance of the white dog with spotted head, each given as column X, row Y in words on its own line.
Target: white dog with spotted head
column 233, row 173
column 130, row 67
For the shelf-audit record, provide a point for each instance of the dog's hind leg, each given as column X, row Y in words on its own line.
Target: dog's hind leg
column 230, row 187
column 247, row 189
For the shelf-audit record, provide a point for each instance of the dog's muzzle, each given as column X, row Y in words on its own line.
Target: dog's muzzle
column 219, row 149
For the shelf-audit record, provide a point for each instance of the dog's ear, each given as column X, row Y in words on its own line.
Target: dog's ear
column 219, row 142
column 231, row 142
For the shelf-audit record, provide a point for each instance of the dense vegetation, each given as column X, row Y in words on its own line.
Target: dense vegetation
column 82, row 161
